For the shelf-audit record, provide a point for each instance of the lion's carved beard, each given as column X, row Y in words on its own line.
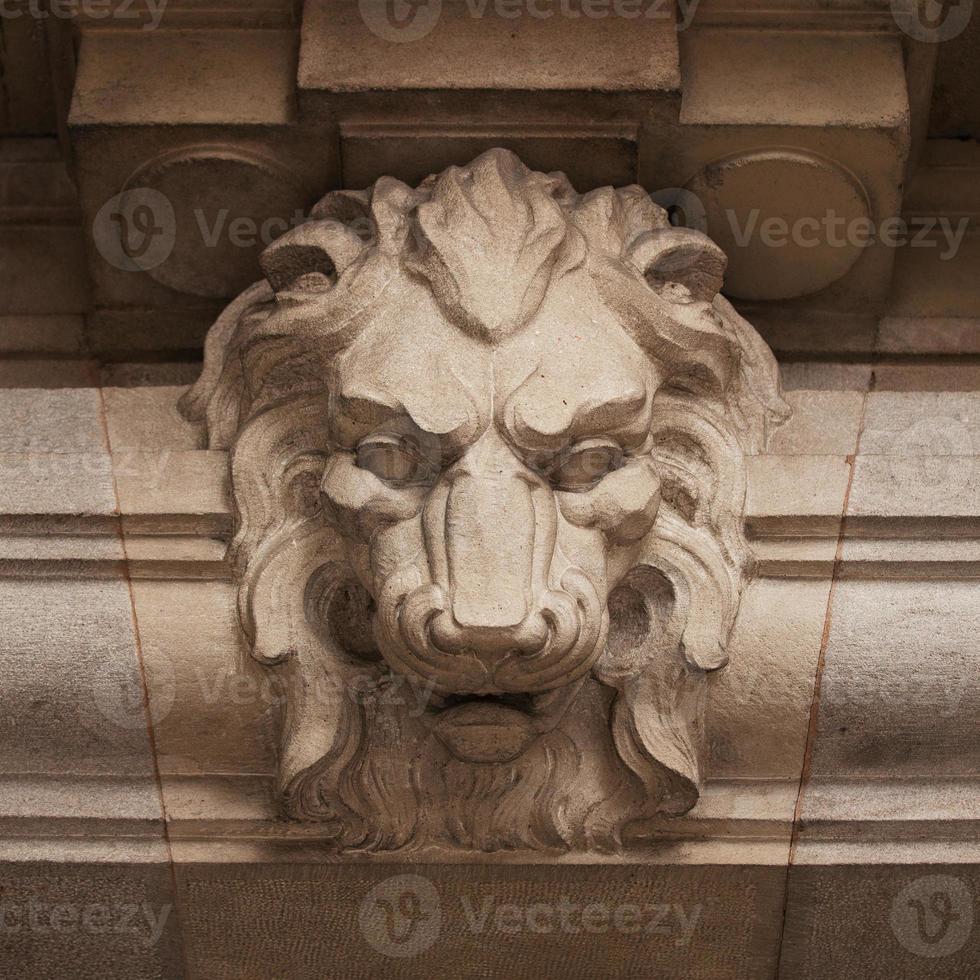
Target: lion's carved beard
column 383, row 780
column 401, row 787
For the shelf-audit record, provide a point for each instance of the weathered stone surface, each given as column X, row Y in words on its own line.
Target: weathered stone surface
column 88, row 920
column 66, row 420
column 899, row 684
column 929, row 335
column 180, row 483
column 756, row 720
column 824, row 376
column 345, row 49
column 41, row 334
column 56, row 483
column 823, row 422
column 923, row 423
column 781, row 488
column 44, row 373
column 146, row 419
column 943, row 486
column 247, row 76
column 713, row 921
column 214, row 708
column 72, row 696
column 908, row 921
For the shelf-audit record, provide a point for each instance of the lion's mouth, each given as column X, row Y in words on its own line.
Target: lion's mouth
column 516, row 702
column 491, row 728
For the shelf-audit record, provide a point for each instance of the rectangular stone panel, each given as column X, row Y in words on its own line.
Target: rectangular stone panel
column 590, row 156
column 898, row 695
column 71, row 697
column 50, row 420
column 921, row 423
column 590, row 922
column 822, row 422
column 349, row 46
column 146, row 419
column 88, row 920
column 910, row 486
column 902, row 921
column 758, row 708
column 56, row 483
column 248, row 77
column 789, row 492
column 214, row 707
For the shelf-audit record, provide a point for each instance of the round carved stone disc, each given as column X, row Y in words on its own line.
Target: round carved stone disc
column 790, row 222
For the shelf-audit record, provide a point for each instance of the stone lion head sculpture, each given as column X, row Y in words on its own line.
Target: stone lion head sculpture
column 487, row 443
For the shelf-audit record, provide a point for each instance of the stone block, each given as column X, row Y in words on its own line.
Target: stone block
column 88, row 920
column 929, row 335
column 42, row 334
column 51, row 420
column 172, row 483
column 477, row 920
column 849, row 149
column 56, row 483
column 221, row 179
column 825, row 376
column 758, row 709
column 905, row 921
column 146, row 419
column 72, row 696
column 212, row 713
column 898, row 696
column 823, row 422
column 588, row 94
column 921, row 423
column 48, row 373
column 795, row 494
column 897, row 488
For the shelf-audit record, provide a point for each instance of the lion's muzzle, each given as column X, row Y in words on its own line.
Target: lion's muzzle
column 502, row 612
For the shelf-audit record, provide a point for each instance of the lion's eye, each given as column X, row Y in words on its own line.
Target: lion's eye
column 582, row 466
column 393, row 460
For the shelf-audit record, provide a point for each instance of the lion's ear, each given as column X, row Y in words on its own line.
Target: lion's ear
column 321, row 249
column 679, row 257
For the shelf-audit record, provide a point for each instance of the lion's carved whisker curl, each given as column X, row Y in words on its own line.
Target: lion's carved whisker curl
column 487, row 441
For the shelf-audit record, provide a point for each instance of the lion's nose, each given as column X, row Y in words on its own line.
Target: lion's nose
column 490, row 532
column 527, row 637
column 495, row 560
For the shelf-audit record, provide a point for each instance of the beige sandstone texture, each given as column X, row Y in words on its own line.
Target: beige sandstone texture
column 535, row 575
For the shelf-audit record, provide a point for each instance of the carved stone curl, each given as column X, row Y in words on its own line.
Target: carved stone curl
column 487, row 441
